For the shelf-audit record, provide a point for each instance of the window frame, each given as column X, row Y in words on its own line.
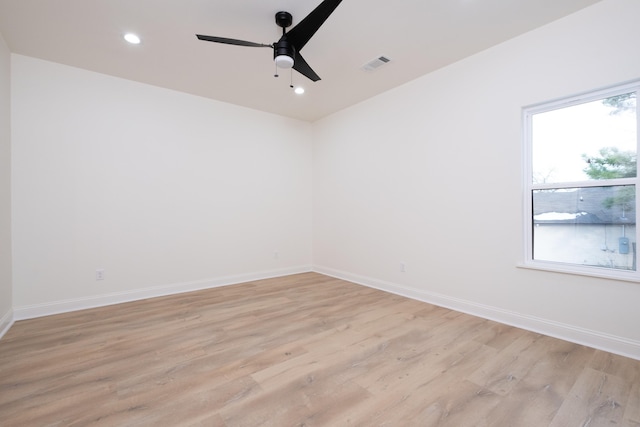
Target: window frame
column 528, row 185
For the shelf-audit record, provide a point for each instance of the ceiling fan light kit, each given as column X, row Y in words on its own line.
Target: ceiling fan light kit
column 286, row 51
column 284, row 61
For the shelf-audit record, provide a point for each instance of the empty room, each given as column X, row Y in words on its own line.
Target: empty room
column 319, row 213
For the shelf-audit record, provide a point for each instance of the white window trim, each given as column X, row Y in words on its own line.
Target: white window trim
column 528, row 186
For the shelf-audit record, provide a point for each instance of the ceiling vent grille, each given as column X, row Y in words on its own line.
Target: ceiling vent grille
column 376, row 63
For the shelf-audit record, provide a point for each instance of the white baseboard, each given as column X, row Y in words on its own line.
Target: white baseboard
column 599, row 340
column 614, row 344
column 5, row 322
column 65, row 306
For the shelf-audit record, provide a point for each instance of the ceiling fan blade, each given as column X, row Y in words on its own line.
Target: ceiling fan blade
column 301, row 33
column 301, row 66
column 231, row 41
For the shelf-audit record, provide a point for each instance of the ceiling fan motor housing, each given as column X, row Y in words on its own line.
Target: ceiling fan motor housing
column 284, row 53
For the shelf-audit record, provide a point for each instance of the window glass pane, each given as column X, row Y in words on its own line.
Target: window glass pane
column 594, row 140
column 593, row 226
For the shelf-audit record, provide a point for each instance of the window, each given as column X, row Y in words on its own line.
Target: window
column 580, row 184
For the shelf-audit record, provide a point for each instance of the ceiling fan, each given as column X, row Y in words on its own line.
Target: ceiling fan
column 286, row 51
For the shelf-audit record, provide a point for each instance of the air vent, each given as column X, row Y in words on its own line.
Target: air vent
column 376, row 63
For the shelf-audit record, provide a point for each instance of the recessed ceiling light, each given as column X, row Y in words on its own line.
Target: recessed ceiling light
column 132, row 38
column 299, row 90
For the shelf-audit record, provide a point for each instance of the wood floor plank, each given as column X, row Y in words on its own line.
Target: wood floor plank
column 302, row 350
column 545, row 386
column 632, row 412
column 502, row 374
column 595, row 399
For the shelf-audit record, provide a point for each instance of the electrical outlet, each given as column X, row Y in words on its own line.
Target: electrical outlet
column 100, row 274
column 403, row 267
column 276, row 255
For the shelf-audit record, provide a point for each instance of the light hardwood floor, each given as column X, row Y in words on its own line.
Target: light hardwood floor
column 304, row 350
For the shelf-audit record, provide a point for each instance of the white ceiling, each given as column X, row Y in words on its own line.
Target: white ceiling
column 418, row 35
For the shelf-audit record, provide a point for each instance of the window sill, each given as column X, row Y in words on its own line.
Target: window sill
column 600, row 273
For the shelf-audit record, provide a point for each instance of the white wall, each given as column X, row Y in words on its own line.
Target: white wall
column 6, row 316
column 164, row 191
column 429, row 175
